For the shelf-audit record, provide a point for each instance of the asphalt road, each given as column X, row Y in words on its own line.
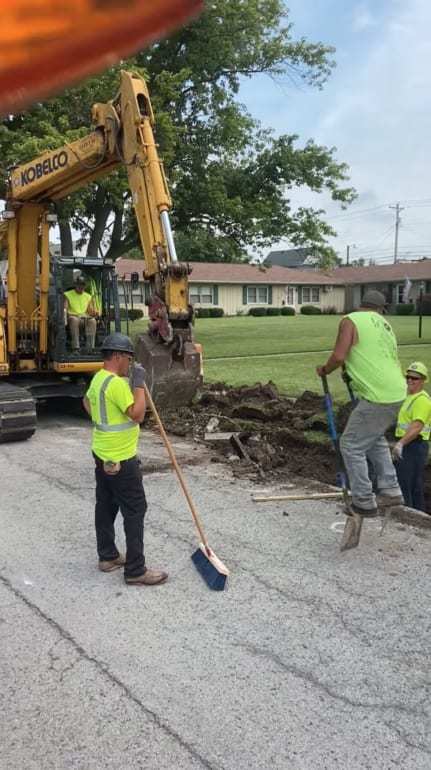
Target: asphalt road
column 311, row 659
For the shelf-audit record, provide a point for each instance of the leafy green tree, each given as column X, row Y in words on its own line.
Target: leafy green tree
column 230, row 178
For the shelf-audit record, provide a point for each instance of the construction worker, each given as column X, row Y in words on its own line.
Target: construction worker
column 116, row 409
column 81, row 312
column 410, row 453
column 366, row 346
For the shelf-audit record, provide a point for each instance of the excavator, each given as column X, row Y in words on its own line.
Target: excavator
column 37, row 360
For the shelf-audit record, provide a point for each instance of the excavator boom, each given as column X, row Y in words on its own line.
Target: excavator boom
column 30, row 343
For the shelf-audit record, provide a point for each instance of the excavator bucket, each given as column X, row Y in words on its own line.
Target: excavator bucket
column 172, row 379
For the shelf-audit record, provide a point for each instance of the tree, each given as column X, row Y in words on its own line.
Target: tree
column 229, row 177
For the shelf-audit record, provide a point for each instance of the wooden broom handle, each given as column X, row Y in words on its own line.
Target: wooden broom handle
column 177, row 468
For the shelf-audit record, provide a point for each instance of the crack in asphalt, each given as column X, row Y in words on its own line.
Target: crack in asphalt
column 104, row 670
column 310, row 678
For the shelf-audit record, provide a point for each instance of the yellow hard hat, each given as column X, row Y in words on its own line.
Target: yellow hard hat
column 420, row 368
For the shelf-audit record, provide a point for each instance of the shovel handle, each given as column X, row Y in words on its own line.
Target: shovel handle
column 177, row 469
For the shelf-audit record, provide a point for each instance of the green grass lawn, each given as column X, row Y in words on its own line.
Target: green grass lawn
column 244, row 350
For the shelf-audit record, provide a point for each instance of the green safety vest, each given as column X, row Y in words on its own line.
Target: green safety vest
column 78, row 303
column 417, row 406
column 373, row 364
column 115, row 435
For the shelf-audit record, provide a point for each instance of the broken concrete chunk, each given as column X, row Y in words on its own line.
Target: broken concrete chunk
column 212, row 425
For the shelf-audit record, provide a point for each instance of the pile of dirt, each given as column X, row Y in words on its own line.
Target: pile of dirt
column 262, row 434
column 258, row 431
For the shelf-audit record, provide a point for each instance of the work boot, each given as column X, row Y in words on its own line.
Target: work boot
column 367, row 513
column 389, row 501
column 112, row 564
column 151, row 577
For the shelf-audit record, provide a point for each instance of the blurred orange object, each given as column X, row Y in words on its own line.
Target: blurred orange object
column 45, row 45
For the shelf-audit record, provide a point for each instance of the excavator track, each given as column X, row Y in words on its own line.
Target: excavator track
column 17, row 413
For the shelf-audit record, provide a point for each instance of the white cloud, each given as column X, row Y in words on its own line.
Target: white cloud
column 379, row 117
column 363, row 18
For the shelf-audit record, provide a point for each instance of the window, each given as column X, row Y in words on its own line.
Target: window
column 257, row 295
column 201, row 295
column 308, row 294
column 290, row 295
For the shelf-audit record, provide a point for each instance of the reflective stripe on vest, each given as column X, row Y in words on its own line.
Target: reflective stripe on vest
column 104, row 425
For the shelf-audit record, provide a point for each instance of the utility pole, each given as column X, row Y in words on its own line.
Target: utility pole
column 398, row 209
column 348, row 247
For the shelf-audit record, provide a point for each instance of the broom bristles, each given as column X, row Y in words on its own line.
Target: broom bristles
column 212, row 569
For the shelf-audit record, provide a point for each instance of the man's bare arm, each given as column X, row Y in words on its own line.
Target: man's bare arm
column 345, row 340
column 86, row 405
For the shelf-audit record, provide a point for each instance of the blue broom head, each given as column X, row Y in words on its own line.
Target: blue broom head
column 215, row 576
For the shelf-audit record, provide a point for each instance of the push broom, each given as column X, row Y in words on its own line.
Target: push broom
column 212, row 569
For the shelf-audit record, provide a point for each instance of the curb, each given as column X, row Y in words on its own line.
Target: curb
column 411, row 516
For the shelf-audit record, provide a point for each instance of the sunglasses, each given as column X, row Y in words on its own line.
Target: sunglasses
column 409, row 377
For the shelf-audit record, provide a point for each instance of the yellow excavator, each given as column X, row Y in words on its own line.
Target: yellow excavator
column 37, row 360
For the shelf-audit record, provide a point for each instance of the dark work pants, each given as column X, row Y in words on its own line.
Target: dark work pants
column 123, row 491
column 410, row 471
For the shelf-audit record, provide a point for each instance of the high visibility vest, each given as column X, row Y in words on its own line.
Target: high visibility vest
column 78, row 303
column 115, row 435
column 416, row 407
column 372, row 364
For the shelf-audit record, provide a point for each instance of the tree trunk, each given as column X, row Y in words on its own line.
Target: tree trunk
column 102, row 210
column 66, row 239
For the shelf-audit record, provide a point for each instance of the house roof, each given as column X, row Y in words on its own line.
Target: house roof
column 288, row 258
column 383, row 273
column 228, row 272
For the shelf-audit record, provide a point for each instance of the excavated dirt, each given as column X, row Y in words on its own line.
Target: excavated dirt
column 259, row 432
column 262, row 434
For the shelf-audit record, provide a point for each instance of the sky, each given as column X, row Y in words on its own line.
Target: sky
column 375, row 109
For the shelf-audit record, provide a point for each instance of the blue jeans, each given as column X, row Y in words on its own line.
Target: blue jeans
column 362, row 442
column 410, row 471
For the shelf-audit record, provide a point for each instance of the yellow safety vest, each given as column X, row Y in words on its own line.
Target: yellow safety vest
column 78, row 303
column 417, row 406
column 115, row 435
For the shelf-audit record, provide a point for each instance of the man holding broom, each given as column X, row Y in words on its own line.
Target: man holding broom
column 366, row 346
column 116, row 409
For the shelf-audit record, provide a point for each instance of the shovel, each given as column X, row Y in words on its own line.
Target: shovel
column 353, row 525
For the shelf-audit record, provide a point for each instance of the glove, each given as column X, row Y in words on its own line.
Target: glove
column 137, row 377
column 397, row 452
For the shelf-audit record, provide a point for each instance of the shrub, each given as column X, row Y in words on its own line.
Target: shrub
column 216, row 312
column 133, row 315
column 288, row 310
column 274, row 311
column 202, row 312
column 331, row 310
column 404, row 308
column 426, row 305
column 258, row 311
column 310, row 310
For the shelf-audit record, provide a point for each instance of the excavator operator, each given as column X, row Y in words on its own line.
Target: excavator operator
column 81, row 312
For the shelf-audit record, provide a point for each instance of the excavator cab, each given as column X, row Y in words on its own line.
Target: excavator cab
column 100, row 283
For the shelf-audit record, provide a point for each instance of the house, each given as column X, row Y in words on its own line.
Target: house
column 392, row 280
column 236, row 287
column 294, row 258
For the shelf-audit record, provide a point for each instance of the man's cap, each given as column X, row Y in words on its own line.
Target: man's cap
column 119, row 343
column 373, row 298
column 417, row 367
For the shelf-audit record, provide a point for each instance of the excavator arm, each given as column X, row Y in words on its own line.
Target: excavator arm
column 123, row 135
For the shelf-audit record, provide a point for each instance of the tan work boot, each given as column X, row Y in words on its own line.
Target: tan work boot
column 112, row 564
column 151, row 577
